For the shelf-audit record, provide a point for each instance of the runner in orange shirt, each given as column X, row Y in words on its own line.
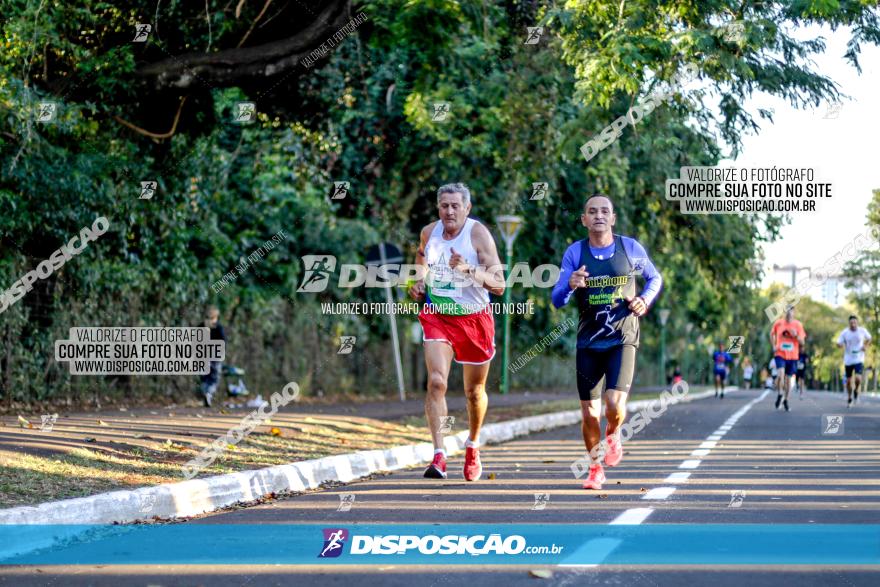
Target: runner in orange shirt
column 786, row 336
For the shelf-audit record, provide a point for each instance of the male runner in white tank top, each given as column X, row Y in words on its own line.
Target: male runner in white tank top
column 462, row 268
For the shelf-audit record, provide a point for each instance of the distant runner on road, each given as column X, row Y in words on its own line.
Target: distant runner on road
column 599, row 272
column 748, row 372
column 803, row 362
column 722, row 360
column 853, row 341
column 786, row 337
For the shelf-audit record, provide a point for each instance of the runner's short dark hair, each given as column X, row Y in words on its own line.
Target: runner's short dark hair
column 599, row 196
column 853, row 317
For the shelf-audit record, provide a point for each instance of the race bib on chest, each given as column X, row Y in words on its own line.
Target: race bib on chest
column 787, row 346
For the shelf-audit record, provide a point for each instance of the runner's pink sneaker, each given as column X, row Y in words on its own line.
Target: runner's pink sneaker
column 613, row 450
column 473, row 468
column 437, row 469
column 596, row 477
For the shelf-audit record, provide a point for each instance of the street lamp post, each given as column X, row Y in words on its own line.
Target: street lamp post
column 509, row 227
column 664, row 316
column 701, row 344
column 687, row 349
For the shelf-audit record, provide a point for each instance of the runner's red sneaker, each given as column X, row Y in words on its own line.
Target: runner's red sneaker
column 596, row 477
column 473, row 468
column 613, row 450
column 437, row 469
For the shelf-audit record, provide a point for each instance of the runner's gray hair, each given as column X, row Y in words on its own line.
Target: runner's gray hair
column 455, row 188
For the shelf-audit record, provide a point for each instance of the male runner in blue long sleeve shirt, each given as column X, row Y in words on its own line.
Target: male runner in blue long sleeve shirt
column 599, row 272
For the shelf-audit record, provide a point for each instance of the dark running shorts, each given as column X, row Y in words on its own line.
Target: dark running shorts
column 858, row 368
column 789, row 364
column 612, row 368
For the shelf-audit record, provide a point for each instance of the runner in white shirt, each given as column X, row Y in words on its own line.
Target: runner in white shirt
column 748, row 370
column 853, row 340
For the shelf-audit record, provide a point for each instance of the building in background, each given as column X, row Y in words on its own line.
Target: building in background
column 832, row 291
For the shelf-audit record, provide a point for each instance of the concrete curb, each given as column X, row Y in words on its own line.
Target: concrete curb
column 199, row 496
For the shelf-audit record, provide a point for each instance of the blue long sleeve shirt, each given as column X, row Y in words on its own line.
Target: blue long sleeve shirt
column 562, row 293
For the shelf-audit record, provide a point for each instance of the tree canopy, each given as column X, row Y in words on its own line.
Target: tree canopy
column 164, row 110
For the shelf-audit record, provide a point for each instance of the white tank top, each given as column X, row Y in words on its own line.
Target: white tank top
column 453, row 292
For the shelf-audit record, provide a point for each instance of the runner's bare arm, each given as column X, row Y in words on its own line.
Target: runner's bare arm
column 488, row 273
column 417, row 290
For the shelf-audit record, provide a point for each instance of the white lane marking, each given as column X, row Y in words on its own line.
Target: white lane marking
column 602, row 547
column 632, row 516
column 677, row 477
column 659, row 493
column 597, row 547
column 635, row 516
column 708, row 444
column 700, row 452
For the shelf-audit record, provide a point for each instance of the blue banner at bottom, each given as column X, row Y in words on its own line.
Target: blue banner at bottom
column 453, row 544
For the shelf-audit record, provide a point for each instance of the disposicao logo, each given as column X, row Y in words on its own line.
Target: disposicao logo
column 334, row 541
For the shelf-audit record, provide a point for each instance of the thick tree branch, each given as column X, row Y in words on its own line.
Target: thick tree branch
column 231, row 66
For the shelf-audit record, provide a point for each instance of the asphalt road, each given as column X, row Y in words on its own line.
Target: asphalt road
column 783, row 466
